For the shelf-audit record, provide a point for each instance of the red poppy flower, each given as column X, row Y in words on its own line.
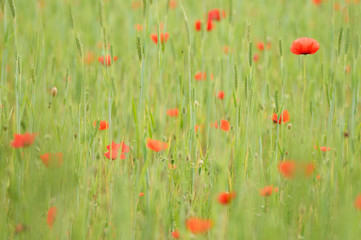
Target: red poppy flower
column 260, row 46
column 108, row 61
column 138, row 27
column 141, row 194
column 176, row 234
column 172, row 4
column 198, row 25
column 51, row 216
column 284, row 118
column 23, row 140
column 137, row 4
column 201, row 76
column 50, row 159
column 215, row 125
column 305, row 46
column 358, row 202
column 317, row 2
column 309, row 169
column 198, row 226
column 224, row 125
column 89, row 58
column 268, row 45
column 226, row 198
column 170, row 166
column 156, row 145
column 267, row 191
column 198, row 127
column 287, row 168
column 214, row 15
column 220, row 95
column 255, row 58
column 115, row 149
column 173, row 112
column 323, row 148
column 209, row 25
column 163, row 37
column 103, row 125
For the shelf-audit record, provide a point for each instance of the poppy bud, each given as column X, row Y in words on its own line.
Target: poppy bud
column 54, row 91
column 289, row 126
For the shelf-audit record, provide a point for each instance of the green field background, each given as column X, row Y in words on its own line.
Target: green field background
column 44, row 46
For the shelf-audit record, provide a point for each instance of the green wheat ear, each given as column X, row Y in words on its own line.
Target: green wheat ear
column 12, row 8
column 347, row 43
column 101, row 15
column 280, row 47
column 277, row 102
column 250, row 53
column 139, row 48
column 339, row 41
column 235, row 77
column 71, row 16
column 79, row 45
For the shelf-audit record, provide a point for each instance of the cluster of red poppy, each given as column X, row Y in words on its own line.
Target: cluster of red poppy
column 213, row 15
column 290, row 169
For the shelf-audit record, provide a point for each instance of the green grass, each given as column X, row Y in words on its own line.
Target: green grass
column 96, row 198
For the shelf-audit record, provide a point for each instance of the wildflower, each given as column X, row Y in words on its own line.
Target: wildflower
column 175, row 234
column 226, row 49
column 156, row 145
column 214, row 15
column 19, row 228
column 201, row 76
column 172, row 4
column 138, row 27
column 287, row 168
column 198, row 25
column 115, row 148
column 220, row 95
column 108, row 61
column 358, row 202
column 256, row 57
column 323, row 148
column 305, row 46
column 224, row 125
column 89, row 58
column 215, row 125
column 209, row 25
column 198, row 226
column 103, row 125
column 267, row 191
column 260, row 46
column 141, row 194
column 51, row 216
column 173, row 112
column 226, row 198
column 309, row 169
column 49, row 158
column 163, row 37
column 284, row 118
column 317, row 2
column 170, row 166
column 23, row 140
column 198, row 127
column 137, row 4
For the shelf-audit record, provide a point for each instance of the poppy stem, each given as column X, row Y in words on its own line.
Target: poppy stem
column 304, row 73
